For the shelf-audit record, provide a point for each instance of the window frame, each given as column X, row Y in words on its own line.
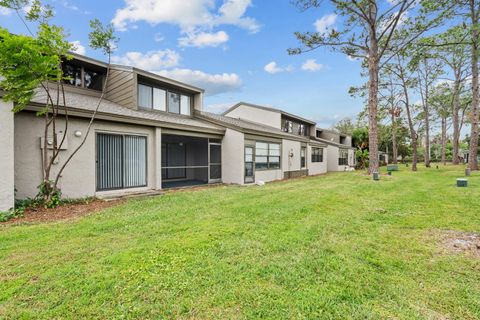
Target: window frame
column 82, row 76
column 343, row 157
column 270, row 165
column 167, row 104
column 317, row 155
column 303, row 157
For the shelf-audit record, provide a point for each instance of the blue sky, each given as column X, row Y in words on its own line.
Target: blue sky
column 235, row 49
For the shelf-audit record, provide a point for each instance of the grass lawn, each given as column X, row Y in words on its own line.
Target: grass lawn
column 338, row 246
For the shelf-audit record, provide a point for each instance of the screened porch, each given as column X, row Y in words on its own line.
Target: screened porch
column 190, row 161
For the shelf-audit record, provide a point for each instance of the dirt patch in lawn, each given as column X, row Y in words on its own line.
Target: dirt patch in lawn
column 63, row 212
column 462, row 242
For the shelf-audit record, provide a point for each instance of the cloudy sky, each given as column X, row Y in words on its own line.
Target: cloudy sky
column 235, row 49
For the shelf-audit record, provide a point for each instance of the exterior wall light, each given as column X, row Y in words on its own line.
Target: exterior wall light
column 78, row 133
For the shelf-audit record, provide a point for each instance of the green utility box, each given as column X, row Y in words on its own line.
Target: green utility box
column 462, row 182
column 392, row 167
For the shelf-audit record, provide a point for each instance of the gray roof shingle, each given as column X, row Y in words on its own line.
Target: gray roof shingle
column 89, row 103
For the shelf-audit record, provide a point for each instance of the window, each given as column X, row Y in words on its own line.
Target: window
column 301, row 129
column 303, row 156
column 173, row 102
column 267, row 155
column 159, row 99
column 317, row 155
column 79, row 76
column 74, row 75
column 319, row 134
column 343, row 157
column 93, row 80
column 185, row 105
column 288, row 126
column 144, row 96
column 294, row 127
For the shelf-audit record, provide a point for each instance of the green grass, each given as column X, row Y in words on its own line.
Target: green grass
column 338, row 246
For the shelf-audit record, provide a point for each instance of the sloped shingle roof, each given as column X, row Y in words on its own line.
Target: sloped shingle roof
column 246, row 125
column 87, row 103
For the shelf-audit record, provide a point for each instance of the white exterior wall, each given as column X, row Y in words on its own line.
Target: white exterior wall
column 316, row 167
column 158, row 158
column 7, row 182
column 332, row 158
column 233, row 149
column 291, row 163
column 269, row 118
column 79, row 179
column 268, row 175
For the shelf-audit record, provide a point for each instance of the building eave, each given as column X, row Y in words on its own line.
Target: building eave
column 105, row 116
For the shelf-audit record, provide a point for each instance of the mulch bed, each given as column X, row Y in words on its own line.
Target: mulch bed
column 63, row 212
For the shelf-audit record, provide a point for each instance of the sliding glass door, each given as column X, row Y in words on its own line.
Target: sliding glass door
column 121, row 161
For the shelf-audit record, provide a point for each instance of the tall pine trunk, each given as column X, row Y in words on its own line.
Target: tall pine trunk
column 444, row 140
column 394, row 138
column 373, row 65
column 456, row 122
column 473, row 161
column 427, row 138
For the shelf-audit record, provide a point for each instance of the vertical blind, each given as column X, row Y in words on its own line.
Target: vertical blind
column 121, row 161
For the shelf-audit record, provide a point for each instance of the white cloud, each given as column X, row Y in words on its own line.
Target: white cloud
column 212, row 83
column 273, row 68
column 195, row 18
column 188, row 15
column 152, row 60
column 311, row 65
column 233, row 11
column 78, row 47
column 5, row 11
column 323, row 24
column 203, row 39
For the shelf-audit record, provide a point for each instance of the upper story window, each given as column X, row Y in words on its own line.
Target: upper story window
column 288, row 126
column 319, row 134
column 82, row 77
column 150, row 97
column 294, row 127
column 302, row 130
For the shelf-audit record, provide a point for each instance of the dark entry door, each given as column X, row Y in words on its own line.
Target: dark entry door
column 215, row 162
column 249, row 165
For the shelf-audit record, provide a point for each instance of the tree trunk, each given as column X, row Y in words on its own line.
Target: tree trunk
column 394, row 138
column 444, row 140
column 456, row 122
column 427, row 137
column 472, row 160
column 413, row 133
column 373, row 65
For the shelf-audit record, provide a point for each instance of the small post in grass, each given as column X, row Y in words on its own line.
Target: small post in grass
column 376, row 176
column 467, row 172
